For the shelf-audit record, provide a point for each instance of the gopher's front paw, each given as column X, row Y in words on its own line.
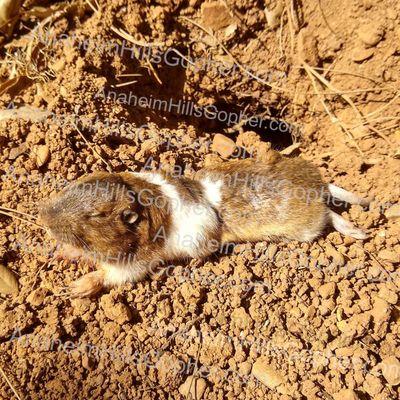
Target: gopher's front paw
column 89, row 285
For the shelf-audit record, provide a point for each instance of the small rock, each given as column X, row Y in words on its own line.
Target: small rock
column 327, row 290
column 390, row 368
column 346, row 394
column 223, row 145
column 272, row 250
column 193, row 386
column 88, row 362
column 307, row 47
column 371, row 34
column 393, row 212
column 215, row 15
column 360, row 54
column 58, row 65
column 17, row 151
column 372, row 385
column 381, row 311
column 274, row 16
column 37, row 296
column 388, row 295
column 266, row 374
column 390, row 256
column 337, row 257
column 241, row 319
column 42, row 155
column 117, row 312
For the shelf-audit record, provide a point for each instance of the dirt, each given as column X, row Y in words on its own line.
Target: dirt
column 316, row 320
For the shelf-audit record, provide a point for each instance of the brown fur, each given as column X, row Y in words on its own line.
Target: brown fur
column 255, row 194
column 273, row 198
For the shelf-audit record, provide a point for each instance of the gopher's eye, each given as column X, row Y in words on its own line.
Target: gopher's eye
column 129, row 216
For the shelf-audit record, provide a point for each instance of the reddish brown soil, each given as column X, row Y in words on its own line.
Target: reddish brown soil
column 318, row 320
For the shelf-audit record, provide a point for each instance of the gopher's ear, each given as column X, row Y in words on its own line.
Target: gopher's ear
column 129, row 216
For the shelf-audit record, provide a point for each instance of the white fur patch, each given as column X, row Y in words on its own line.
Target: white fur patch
column 212, row 190
column 346, row 227
column 191, row 221
column 119, row 274
column 346, row 196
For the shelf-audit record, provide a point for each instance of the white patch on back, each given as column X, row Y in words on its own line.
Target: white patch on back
column 191, row 221
column 212, row 190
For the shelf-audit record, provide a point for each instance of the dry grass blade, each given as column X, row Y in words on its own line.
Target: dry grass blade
column 338, row 92
column 387, row 105
column 325, row 19
column 333, row 118
column 233, row 58
column 109, row 169
column 291, row 28
column 341, row 72
column 124, row 84
column 10, row 384
column 125, row 35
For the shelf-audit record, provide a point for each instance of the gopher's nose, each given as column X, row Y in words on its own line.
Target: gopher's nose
column 47, row 215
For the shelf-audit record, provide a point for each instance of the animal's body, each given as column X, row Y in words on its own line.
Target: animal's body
column 130, row 222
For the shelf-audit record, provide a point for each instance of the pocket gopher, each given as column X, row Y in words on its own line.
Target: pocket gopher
column 132, row 221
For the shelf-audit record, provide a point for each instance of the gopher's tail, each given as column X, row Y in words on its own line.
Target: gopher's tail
column 349, row 197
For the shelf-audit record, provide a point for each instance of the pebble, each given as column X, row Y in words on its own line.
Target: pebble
column 241, row 319
column 17, row 151
column 360, row 54
column 388, row 295
column 117, row 312
column 390, row 368
column 266, row 374
column 337, row 257
column 381, row 311
column 42, row 155
column 327, row 290
column 37, row 296
column 390, row 256
column 215, row 15
column 274, row 16
column 193, row 386
column 371, row 34
column 223, row 145
column 393, row 212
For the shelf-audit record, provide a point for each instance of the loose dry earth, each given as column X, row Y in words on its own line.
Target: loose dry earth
column 314, row 320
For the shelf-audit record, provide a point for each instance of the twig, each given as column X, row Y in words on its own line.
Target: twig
column 10, row 384
column 109, row 169
column 233, row 58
